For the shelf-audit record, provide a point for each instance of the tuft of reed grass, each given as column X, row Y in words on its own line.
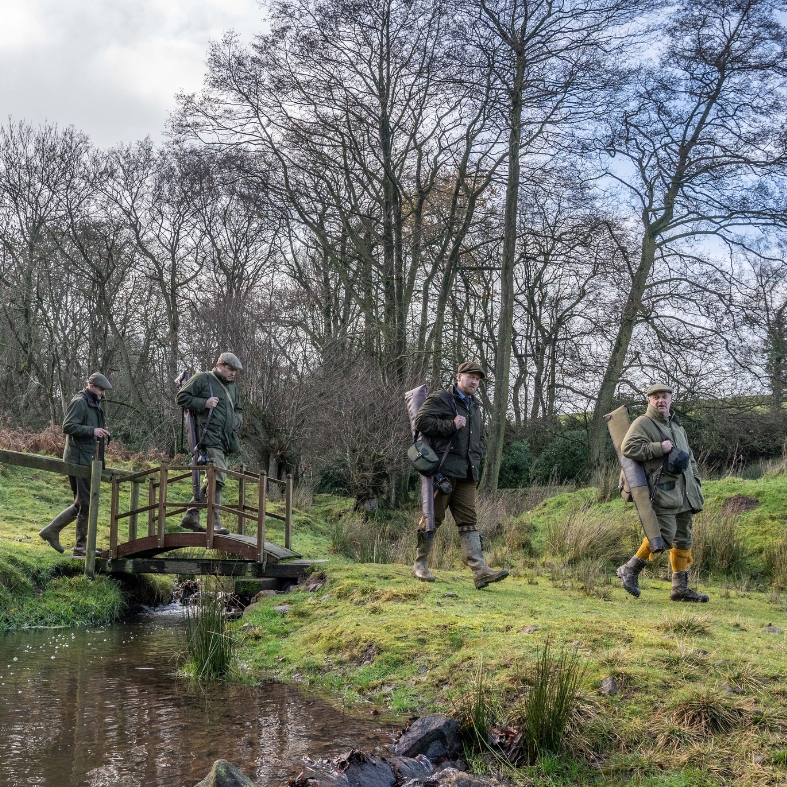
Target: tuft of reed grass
column 582, row 535
column 553, row 682
column 718, row 544
column 366, row 540
column 686, row 624
column 477, row 708
column 705, row 710
column 210, row 646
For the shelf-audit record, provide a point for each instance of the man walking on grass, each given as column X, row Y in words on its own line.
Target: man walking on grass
column 658, row 441
column 83, row 425
column 452, row 421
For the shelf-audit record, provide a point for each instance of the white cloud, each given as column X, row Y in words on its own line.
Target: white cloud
column 109, row 67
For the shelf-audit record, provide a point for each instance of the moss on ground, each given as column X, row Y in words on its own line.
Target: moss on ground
column 39, row 587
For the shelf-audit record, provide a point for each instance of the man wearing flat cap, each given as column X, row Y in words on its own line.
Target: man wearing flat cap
column 213, row 397
column 452, row 421
column 658, row 441
column 83, row 425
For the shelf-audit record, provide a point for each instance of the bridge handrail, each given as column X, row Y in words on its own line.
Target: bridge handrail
column 51, row 464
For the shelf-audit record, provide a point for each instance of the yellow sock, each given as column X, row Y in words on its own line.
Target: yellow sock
column 644, row 553
column 680, row 559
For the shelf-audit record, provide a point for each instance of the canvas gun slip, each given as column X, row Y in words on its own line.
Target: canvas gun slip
column 191, row 432
column 618, row 423
column 414, row 399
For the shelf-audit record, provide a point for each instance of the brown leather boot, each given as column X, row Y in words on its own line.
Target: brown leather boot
column 629, row 575
column 681, row 590
column 421, row 566
column 190, row 520
column 483, row 575
column 51, row 532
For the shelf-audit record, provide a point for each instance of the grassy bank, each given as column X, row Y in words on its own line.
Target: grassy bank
column 701, row 689
column 39, row 587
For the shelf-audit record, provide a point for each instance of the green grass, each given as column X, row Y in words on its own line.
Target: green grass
column 701, row 688
column 39, row 587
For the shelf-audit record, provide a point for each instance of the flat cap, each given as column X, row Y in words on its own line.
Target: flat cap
column 658, row 388
column 231, row 360
column 471, row 367
column 98, row 379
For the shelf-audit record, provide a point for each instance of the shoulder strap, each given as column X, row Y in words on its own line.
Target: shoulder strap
column 661, row 431
column 226, row 391
column 210, row 413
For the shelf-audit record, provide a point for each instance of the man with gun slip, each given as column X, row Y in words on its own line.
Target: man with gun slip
column 83, row 425
column 215, row 416
column 452, row 421
column 658, row 442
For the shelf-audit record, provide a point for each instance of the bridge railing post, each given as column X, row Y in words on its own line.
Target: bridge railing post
column 211, row 502
column 288, row 512
column 151, row 503
column 113, row 518
column 162, row 505
column 133, row 506
column 262, row 495
column 242, row 500
column 92, row 517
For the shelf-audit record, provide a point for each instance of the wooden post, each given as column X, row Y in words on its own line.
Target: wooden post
column 92, row 517
column 211, row 502
column 242, row 500
column 162, row 504
column 113, row 519
column 288, row 512
column 133, row 506
column 151, row 502
column 263, row 491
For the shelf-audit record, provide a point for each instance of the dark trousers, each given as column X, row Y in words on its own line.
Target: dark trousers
column 81, row 489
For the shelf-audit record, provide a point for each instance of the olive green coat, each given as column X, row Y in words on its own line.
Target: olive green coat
column 435, row 419
column 227, row 416
column 84, row 414
column 643, row 444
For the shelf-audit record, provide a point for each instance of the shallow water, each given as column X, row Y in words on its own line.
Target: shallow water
column 102, row 707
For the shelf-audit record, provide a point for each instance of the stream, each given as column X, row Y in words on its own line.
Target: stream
column 103, row 707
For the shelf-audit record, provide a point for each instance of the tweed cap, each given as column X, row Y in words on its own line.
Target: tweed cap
column 98, row 379
column 471, row 367
column 658, row 388
column 231, row 360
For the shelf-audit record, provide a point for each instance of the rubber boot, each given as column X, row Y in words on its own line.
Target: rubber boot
column 629, row 575
column 80, row 547
column 681, row 590
column 421, row 567
column 51, row 532
column 483, row 575
column 218, row 528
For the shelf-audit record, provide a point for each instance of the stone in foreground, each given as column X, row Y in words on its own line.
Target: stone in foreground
column 435, row 736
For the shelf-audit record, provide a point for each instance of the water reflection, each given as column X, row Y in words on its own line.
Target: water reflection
column 100, row 707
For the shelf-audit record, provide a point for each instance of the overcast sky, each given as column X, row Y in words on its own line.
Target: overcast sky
column 111, row 68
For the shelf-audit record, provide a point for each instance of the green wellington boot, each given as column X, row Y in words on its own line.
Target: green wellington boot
column 51, row 533
column 483, row 575
column 421, row 567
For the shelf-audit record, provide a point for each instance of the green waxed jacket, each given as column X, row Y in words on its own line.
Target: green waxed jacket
column 227, row 416
column 643, row 444
column 435, row 419
column 84, row 414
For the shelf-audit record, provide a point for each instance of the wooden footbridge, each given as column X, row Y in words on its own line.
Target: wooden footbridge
column 139, row 550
